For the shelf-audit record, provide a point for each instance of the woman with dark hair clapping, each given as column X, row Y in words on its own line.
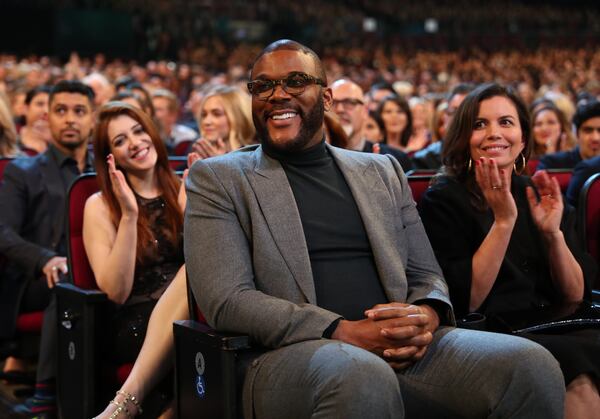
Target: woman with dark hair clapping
column 507, row 243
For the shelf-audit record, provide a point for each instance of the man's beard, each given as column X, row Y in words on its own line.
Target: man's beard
column 72, row 144
column 311, row 123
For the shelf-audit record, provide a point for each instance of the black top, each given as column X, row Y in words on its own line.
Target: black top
column 456, row 230
column 582, row 172
column 344, row 271
column 162, row 260
column 560, row 160
column 400, row 155
column 430, row 157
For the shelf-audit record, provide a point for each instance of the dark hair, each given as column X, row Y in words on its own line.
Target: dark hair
column 377, row 118
column 584, row 112
column 456, row 153
column 124, row 82
column 403, row 105
column 146, row 99
column 36, row 91
column 72, row 86
column 460, row 89
column 289, row 45
column 336, row 134
column 168, row 182
column 379, row 86
column 128, row 94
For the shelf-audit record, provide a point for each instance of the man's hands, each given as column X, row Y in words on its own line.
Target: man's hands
column 53, row 267
column 400, row 333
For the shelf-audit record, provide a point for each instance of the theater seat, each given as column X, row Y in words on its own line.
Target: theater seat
column 418, row 185
column 563, row 176
column 589, row 217
column 182, row 148
column 85, row 381
column 208, row 372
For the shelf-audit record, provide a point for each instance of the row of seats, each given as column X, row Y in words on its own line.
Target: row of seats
column 205, row 361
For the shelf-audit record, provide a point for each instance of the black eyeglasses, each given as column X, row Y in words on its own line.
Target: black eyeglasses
column 347, row 104
column 295, row 84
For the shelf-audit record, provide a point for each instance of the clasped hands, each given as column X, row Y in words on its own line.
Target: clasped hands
column 398, row 332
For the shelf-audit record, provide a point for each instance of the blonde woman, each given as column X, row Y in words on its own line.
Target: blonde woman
column 225, row 121
column 8, row 132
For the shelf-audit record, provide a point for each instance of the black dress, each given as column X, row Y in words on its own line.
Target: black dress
column 456, row 229
column 151, row 278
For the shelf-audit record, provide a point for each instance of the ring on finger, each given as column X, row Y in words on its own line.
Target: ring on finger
column 54, row 268
column 495, row 187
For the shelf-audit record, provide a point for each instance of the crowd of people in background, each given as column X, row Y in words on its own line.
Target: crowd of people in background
column 384, row 101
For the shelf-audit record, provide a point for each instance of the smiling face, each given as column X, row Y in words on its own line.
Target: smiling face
column 394, row 118
column 71, row 120
column 131, row 146
column 214, row 123
column 497, row 132
column 546, row 128
column 284, row 121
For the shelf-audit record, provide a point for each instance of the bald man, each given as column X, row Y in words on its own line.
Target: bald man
column 349, row 105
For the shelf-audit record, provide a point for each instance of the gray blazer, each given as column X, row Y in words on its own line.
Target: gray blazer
column 246, row 254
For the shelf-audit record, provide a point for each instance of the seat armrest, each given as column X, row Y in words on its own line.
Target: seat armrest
column 75, row 291
column 224, row 341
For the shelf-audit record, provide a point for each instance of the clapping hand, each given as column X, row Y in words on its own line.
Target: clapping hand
column 205, row 148
column 121, row 189
column 182, row 197
column 495, row 186
column 547, row 210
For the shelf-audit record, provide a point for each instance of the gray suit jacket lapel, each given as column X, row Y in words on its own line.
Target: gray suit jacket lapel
column 378, row 214
column 282, row 217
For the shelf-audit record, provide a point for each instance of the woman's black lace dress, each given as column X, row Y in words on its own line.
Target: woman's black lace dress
column 151, row 278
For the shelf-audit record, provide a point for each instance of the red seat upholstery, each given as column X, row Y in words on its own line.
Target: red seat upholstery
column 182, row 148
column 3, row 162
column 177, row 162
column 80, row 269
column 563, row 176
column 532, row 165
column 589, row 215
column 418, row 185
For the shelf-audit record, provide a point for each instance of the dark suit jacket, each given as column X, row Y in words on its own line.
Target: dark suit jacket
column 400, row 155
column 32, row 222
column 584, row 170
column 560, row 160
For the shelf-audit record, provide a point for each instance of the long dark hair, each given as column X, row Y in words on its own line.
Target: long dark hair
column 456, row 154
column 403, row 105
column 168, row 182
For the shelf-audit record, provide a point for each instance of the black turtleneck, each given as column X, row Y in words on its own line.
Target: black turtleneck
column 344, row 272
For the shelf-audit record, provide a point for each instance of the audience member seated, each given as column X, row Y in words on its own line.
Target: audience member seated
column 295, row 218
column 421, row 123
column 348, row 104
column 506, row 243
column 131, row 98
column 581, row 173
column 551, row 131
column 397, row 122
column 431, row 156
column 166, row 111
column 35, row 135
column 8, row 132
column 139, row 207
column 225, row 122
column 32, row 226
column 373, row 128
column 587, row 125
column 376, row 94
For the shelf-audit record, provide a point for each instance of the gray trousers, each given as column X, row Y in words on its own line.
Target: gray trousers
column 464, row 374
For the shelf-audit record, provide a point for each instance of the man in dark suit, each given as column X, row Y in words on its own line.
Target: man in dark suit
column 587, row 125
column 349, row 105
column 33, row 218
column 318, row 254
